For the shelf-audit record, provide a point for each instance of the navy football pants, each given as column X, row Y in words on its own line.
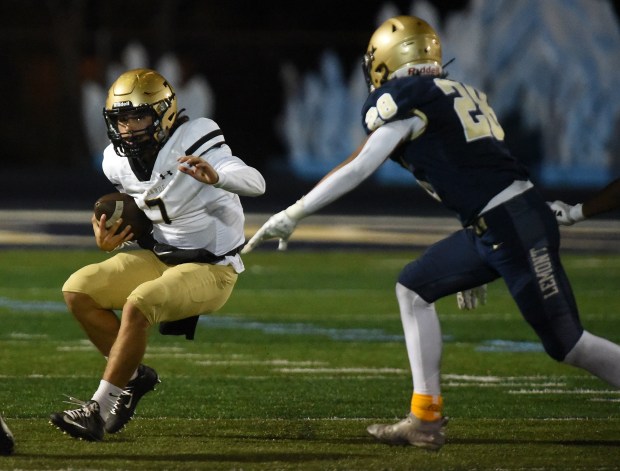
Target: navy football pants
column 520, row 245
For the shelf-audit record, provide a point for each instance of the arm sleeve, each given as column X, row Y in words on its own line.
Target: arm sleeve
column 204, row 138
column 237, row 177
column 379, row 146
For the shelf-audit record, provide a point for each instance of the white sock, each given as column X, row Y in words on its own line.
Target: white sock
column 597, row 355
column 106, row 396
column 423, row 340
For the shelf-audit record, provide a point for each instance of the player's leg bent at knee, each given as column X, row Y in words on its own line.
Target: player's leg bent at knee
column 597, row 355
column 527, row 236
column 182, row 291
column 185, row 290
column 566, row 341
column 129, row 348
column 109, row 282
column 95, row 291
column 92, row 293
column 548, row 305
column 178, row 292
column 124, row 364
column 101, row 325
column 92, row 418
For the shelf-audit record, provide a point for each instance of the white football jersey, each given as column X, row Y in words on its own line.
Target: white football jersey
column 186, row 213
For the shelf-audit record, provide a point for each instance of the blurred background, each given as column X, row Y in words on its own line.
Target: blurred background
column 283, row 80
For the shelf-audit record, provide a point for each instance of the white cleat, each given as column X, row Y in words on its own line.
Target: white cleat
column 412, row 431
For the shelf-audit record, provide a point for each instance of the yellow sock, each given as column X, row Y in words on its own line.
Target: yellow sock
column 426, row 407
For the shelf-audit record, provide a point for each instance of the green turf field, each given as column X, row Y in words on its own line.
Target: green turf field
column 306, row 354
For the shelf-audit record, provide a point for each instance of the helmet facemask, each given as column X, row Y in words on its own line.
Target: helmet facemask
column 138, row 94
column 367, row 62
column 142, row 142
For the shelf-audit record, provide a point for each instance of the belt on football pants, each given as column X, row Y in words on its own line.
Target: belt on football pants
column 513, row 190
column 480, row 226
column 171, row 255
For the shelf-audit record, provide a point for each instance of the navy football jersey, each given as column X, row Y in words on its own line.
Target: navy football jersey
column 459, row 156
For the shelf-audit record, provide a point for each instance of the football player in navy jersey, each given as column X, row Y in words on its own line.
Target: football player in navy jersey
column 447, row 135
column 183, row 175
column 603, row 201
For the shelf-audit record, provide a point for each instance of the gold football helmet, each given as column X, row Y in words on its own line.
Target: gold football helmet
column 138, row 93
column 403, row 45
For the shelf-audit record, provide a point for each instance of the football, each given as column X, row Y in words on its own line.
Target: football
column 117, row 205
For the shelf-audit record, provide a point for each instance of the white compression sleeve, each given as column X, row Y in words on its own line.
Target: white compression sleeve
column 376, row 150
column 598, row 356
column 423, row 340
column 237, row 177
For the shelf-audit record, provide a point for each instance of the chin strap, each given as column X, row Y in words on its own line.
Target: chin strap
column 448, row 63
column 444, row 74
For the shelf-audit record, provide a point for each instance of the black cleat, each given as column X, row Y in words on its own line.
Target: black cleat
column 125, row 405
column 84, row 423
column 7, row 442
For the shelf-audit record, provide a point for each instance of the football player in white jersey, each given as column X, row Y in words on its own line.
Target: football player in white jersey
column 447, row 135
column 183, row 175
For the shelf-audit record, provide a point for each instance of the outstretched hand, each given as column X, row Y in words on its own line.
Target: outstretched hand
column 566, row 214
column 279, row 226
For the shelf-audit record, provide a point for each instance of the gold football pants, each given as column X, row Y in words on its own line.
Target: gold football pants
column 161, row 292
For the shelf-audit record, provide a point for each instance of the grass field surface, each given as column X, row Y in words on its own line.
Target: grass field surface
column 306, row 354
